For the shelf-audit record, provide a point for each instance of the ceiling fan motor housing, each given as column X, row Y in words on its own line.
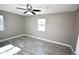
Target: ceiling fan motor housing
column 29, row 7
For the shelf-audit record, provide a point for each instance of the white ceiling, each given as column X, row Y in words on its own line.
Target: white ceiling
column 45, row 8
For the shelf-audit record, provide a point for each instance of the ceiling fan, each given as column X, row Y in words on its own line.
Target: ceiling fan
column 29, row 9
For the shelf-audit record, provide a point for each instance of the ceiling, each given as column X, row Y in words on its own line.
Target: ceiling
column 45, row 8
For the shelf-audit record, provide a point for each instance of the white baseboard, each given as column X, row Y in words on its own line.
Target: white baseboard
column 72, row 50
column 59, row 43
column 12, row 37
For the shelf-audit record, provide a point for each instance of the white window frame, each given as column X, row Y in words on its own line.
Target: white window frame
column 41, row 25
column 2, row 23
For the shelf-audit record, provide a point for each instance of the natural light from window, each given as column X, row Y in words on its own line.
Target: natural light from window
column 1, row 23
column 41, row 25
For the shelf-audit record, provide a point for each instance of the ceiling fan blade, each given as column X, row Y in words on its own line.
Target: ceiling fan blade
column 37, row 10
column 20, row 8
column 25, row 12
column 33, row 12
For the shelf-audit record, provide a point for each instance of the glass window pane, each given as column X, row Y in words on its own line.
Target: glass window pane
column 41, row 24
column 41, row 21
column 1, row 23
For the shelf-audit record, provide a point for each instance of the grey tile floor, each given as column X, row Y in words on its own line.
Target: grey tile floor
column 32, row 46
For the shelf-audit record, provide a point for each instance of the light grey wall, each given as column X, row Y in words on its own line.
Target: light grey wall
column 77, row 21
column 13, row 24
column 60, row 27
column 77, row 30
column 75, row 41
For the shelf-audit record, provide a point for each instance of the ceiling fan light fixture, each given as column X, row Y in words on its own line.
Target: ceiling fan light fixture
column 29, row 9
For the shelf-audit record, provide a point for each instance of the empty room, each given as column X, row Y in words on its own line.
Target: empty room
column 39, row 29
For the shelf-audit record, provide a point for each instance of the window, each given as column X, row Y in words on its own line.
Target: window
column 1, row 23
column 41, row 24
